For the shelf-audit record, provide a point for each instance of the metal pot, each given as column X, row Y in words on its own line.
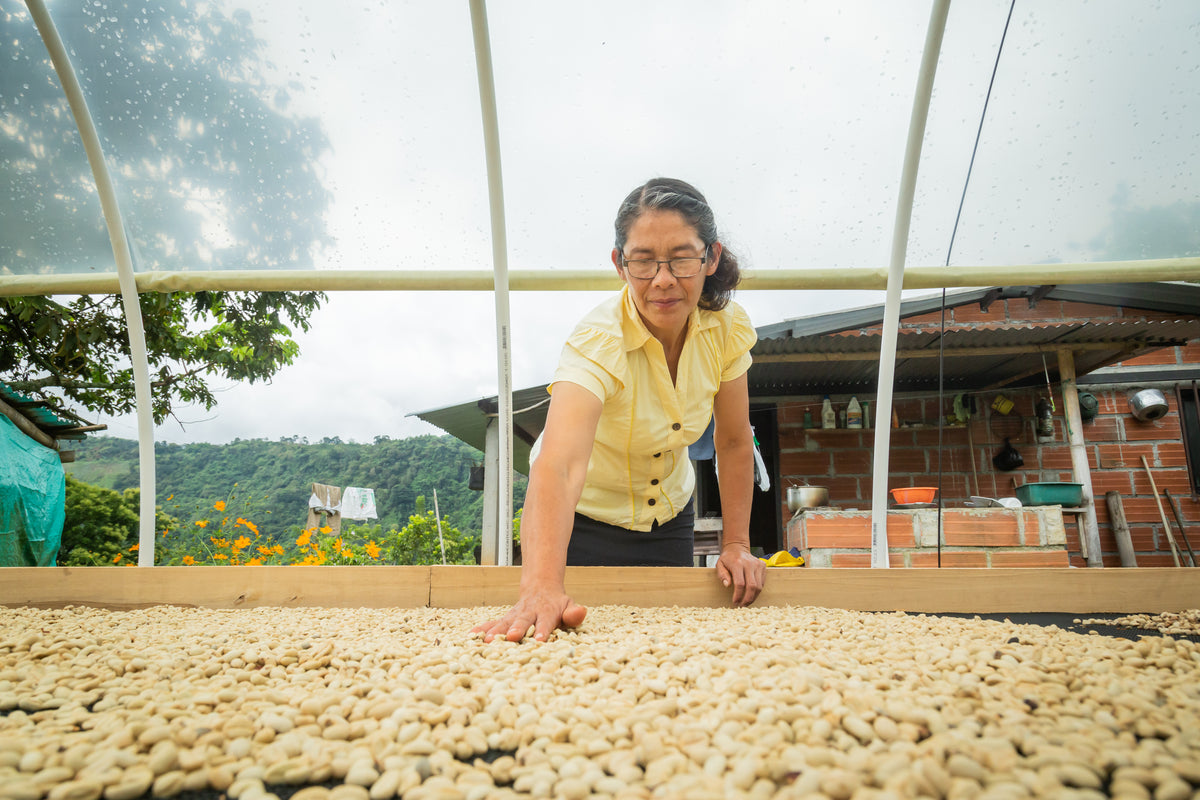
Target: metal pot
column 1148, row 405
column 799, row 497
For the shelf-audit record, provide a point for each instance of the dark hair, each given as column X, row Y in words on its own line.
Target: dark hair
column 669, row 194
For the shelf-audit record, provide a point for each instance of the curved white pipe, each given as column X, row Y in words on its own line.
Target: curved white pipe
column 125, row 276
column 895, row 281
column 491, row 141
column 592, row 280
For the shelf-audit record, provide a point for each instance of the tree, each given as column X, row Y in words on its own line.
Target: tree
column 214, row 170
column 101, row 524
column 418, row 542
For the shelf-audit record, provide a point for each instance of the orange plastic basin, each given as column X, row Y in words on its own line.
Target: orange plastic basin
column 914, row 494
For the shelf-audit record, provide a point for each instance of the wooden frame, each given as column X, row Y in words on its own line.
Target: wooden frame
column 977, row 591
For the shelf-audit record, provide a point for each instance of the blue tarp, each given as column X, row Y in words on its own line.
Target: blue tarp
column 33, row 498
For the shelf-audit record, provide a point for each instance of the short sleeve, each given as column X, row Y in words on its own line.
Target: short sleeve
column 595, row 360
column 740, row 337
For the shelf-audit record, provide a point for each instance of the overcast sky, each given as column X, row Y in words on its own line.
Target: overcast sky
column 790, row 116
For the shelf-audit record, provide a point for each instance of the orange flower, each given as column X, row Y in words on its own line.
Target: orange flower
column 188, row 561
column 135, row 548
column 339, row 545
column 222, row 542
column 219, row 505
column 242, row 543
column 254, row 562
column 266, row 551
column 247, row 523
column 277, row 549
column 201, row 523
column 171, row 495
column 326, row 529
column 220, row 557
column 347, row 553
column 372, row 549
column 304, row 538
column 116, row 558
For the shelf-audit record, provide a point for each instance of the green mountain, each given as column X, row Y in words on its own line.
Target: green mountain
column 270, row 482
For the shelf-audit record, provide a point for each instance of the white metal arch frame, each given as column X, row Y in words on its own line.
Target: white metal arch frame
column 124, row 262
column 500, row 280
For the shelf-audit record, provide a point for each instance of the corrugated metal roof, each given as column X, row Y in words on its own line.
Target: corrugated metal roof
column 1009, row 356
column 40, row 414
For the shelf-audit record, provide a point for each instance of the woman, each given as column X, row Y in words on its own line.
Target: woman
column 610, row 482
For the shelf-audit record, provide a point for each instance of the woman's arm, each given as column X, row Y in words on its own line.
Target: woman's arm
column 734, row 442
column 556, row 480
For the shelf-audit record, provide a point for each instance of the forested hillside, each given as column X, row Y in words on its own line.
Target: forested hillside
column 270, row 482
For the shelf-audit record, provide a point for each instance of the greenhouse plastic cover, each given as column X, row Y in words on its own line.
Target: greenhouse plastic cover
column 33, row 494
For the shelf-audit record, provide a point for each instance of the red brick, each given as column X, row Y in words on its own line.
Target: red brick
column 950, row 559
column 997, row 312
column 1164, row 428
column 1056, row 457
column 1087, row 311
column 836, row 438
column 964, row 530
column 846, row 492
column 1050, row 310
column 1031, row 558
column 932, row 319
column 1189, row 353
column 793, row 413
column 1110, row 481
column 952, row 436
column 1170, row 455
column 908, row 461
column 804, row 464
column 1103, row 429
column 1164, row 355
column 852, row 462
column 1155, row 560
column 851, row 560
column 1175, row 481
column 1124, row 455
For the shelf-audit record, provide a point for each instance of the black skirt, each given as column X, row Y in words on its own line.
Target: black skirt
column 598, row 544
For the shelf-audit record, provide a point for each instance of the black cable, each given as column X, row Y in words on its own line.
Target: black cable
column 953, row 234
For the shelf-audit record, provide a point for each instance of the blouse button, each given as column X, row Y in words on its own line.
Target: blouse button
column 676, row 426
column 650, row 502
column 654, row 482
column 656, row 455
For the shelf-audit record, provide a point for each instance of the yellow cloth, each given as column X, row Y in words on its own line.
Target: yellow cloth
column 639, row 471
column 783, row 559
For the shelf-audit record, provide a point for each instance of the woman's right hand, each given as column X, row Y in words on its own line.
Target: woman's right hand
column 544, row 609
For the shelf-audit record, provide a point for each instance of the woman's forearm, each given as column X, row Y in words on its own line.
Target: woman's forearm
column 735, row 472
column 546, row 525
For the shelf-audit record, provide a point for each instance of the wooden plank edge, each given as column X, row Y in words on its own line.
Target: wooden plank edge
column 980, row 591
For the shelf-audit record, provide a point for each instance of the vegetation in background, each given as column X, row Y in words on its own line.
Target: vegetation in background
column 102, row 525
column 270, row 482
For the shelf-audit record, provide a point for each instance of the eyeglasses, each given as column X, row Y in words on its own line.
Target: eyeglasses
column 647, row 268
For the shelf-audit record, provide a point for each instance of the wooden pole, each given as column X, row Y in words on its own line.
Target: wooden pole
column 26, row 427
column 1182, row 531
column 1161, row 513
column 1116, row 512
column 1079, row 461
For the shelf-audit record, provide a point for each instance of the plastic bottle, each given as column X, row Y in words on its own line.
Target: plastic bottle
column 854, row 414
column 808, row 420
column 866, row 415
column 828, row 415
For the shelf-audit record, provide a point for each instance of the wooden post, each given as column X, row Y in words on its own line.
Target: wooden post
column 1116, row 513
column 1079, row 461
column 26, row 426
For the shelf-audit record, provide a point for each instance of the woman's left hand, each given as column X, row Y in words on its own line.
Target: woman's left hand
column 746, row 574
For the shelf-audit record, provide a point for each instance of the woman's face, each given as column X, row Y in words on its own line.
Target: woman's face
column 664, row 301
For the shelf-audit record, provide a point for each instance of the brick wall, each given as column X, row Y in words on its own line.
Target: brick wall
column 1115, row 442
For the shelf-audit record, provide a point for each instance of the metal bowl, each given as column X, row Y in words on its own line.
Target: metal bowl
column 1148, row 405
column 799, row 497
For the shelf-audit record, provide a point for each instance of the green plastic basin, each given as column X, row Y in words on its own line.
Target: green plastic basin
column 1051, row 493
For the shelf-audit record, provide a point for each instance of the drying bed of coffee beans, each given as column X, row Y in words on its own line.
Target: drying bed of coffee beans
column 369, row 704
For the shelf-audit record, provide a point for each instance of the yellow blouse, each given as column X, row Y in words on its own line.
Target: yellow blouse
column 639, row 471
